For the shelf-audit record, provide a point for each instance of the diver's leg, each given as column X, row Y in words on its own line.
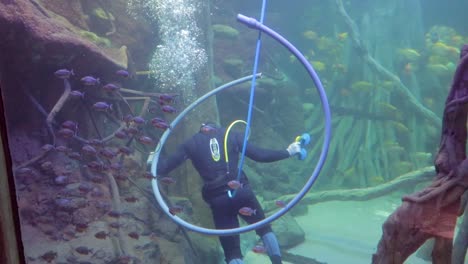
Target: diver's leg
column 236, row 261
column 225, row 218
column 268, row 237
column 272, row 247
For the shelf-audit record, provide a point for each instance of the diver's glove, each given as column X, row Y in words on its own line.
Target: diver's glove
column 294, row 148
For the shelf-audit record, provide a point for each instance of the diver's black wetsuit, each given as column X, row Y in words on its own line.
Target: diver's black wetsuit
column 201, row 150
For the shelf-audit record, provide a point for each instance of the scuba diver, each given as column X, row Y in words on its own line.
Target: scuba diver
column 215, row 156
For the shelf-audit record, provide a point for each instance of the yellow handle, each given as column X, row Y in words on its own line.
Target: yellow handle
column 226, row 137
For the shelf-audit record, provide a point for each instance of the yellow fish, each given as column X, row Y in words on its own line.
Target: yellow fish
column 343, row 36
column 309, row 34
column 409, row 54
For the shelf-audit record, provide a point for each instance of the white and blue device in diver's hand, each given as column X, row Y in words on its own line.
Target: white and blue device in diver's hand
column 304, row 140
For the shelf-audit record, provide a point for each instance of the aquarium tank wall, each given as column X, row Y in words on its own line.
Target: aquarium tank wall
column 92, row 89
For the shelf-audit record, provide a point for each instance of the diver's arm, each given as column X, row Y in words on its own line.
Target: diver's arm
column 167, row 165
column 260, row 154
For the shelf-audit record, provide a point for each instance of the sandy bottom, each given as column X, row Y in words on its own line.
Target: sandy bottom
column 346, row 232
column 253, row 258
column 342, row 232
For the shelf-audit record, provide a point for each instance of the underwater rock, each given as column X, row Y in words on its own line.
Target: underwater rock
column 299, row 210
column 35, row 36
column 207, row 249
column 102, row 21
column 288, row 232
column 72, row 11
column 225, row 31
column 100, row 41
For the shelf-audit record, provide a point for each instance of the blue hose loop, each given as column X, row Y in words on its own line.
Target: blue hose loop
column 251, row 99
column 252, row 23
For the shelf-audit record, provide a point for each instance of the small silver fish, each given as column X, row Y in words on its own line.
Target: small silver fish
column 259, row 249
column 110, row 87
column 167, row 180
column 247, row 211
column 167, row 98
column 47, row 147
column 61, row 180
column 64, row 73
column 134, row 235
column 160, row 123
column 234, row 184
column 175, row 209
column 95, row 142
column 280, row 203
column 168, row 109
column 84, row 250
column 77, row 94
column 70, row 125
column 108, row 153
column 132, row 130
column 145, row 140
column 85, row 187
column 123, row 73
column 66, row 133
column 62, row 148
column 90, row 81
column 120, row 134
column 102, row 106
column 125, row 150
column 101, row 235
column 49, row 256
column 115, row 166
column 138, row 120
column 88, row 149
column 74, row 155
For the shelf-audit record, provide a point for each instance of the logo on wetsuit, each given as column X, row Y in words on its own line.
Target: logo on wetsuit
column 214, row 147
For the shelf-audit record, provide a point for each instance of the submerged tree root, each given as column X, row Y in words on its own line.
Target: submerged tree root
column 122, row 241
column 406, row 180
column 461, row 241
column 60, row 103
